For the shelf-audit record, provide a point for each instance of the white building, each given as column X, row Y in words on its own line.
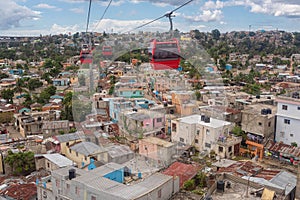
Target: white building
column 288, row 119
column 200, row 131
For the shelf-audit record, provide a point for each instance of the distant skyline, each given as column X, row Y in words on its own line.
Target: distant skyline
column 35, row 17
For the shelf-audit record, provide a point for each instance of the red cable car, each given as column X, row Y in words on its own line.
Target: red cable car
column 106, row 51
column 86, row 54
column 164, row 55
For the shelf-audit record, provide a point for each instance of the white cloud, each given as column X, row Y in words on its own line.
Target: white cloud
column 287, row 8
column 44, row 6
column 113, row 3
column 12, row 14
column 205, row 16
column 77, row 10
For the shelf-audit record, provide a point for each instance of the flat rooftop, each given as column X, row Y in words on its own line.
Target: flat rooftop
column 236, row 191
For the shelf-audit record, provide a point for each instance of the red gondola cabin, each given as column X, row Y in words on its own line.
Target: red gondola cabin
column 164, row 55
column 106, row 51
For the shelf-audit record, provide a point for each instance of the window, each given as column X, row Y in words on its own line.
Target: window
column 121, row 93
column 198, row 132
column 57, row 183
column 291, row 135
column 298, row 107
column 48, row 165
column 67, row 144
column 287, row 121
column 207, row 132
column 68, row 188
column 269, row 124
column 77, row 154
column 284, row 107
column 77, row 190
column 220, row 149
column 207, row 145
column 259, row 123
column 159, row 119
column 230, row 149
column 174, row 127
column 196, row 141
column 85, row 158
column 70, row 150
column 159, row 193
column 181, row 139
column 134, row 92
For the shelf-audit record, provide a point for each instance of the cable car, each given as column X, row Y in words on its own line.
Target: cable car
column 106, row 51
column 86, row 56
column 164, row 55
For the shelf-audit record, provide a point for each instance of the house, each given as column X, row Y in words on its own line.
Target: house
column 31, row 123
column 118, row 154
column 251, row 178
column 105, row 183
column 50, row 128
column 25, row 191
column 205, row 133
column 129, row 92
column 288, row 119
column 61, row 143
column 222, row 112
column 184, row 171
column 51, row 162
column 158, row 149
column 82, row 153
column 258, row 121
column 184, row 103
column 117, row 105
column 61, row 82
column 141, row 122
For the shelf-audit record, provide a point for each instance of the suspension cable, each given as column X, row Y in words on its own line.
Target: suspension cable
column 165, row 15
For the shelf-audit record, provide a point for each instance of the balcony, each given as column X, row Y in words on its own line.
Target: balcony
column 229, row 140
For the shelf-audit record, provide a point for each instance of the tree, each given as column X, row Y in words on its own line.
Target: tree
column 67, row 113
column 46, row 94
column 34, row 84
column 22, row 163
column 8, row 95
column 3, row 75
column 216, row 34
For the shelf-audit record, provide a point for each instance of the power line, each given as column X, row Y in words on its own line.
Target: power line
column 103, row 14
column 88, row 17
column 169, row 14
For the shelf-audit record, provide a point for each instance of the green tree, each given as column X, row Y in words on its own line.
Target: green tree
column 22, row 163
column 8, row 95
column 34, row 84
column 67, row 112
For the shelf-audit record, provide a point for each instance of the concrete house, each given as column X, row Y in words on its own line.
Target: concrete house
column 141, row 123
column 288, row 119
column 204, row 133
column 50, row 128
column 157, row 149
column 258, row 121
column 82, row 153
column 105, row 182
column 61, row 143
column 51, row 162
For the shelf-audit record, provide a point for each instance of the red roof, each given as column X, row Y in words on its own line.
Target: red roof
column 21, row 191
column 183, row 171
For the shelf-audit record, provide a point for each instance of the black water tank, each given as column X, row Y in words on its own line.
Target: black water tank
column 207, row 119
column 72, row 174
column 220, row 186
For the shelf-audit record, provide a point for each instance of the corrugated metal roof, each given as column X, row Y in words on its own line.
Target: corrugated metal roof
column 59, row 160
column 62, row 124
column 87, row 148
column 118, row 150
column 285, row 180
column 70, row 137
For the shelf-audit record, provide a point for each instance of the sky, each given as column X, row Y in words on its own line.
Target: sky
column 35, row 17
